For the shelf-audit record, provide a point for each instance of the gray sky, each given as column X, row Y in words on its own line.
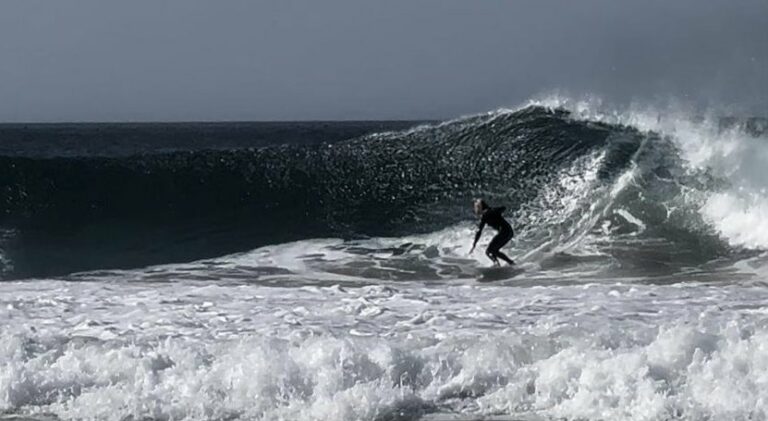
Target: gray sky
column 103, row 60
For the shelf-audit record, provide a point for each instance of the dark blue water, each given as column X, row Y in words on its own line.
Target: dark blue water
column 77, row 197
column 83, row 196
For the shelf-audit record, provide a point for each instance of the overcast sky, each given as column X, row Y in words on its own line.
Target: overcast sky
column 100, row 60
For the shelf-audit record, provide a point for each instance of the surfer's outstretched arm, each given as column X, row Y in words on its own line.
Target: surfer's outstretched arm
column 477, row 236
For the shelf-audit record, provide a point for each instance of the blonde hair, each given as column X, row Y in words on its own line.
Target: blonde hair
column 480, row 206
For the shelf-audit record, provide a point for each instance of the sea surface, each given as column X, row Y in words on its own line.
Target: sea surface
column 321, row 270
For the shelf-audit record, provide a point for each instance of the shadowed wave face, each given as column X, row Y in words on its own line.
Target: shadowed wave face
column 81, row 212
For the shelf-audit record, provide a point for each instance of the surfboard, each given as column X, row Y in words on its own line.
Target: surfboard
column 441, row 416
column 498, row 273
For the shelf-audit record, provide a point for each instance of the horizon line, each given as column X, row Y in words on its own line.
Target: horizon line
column 392, row 120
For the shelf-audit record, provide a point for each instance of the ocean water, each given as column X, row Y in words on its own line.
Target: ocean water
column 321, row 271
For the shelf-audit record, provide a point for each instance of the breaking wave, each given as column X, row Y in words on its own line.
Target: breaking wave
column 566, row 173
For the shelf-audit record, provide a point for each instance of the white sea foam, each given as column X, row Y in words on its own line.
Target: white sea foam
column 238, row 351
column 742, row 218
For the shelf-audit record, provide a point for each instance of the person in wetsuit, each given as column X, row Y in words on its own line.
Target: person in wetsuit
column 493, row 217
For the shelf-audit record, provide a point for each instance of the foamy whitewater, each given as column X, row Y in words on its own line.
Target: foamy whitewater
column 640, row 291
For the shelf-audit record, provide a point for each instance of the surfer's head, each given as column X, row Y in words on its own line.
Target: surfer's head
column 480, row 206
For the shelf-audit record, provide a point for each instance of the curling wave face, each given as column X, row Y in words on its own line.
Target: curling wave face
column 207, row 203
column 563, row 175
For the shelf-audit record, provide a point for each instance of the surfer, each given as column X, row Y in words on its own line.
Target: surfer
column 493, row 217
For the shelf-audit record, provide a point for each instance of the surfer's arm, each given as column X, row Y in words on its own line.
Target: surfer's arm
column 477, row 236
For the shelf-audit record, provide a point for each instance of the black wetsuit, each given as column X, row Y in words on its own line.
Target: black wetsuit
column 493, row 217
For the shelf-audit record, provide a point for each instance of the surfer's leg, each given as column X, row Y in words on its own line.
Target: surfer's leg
column 504, row 257
column 493, row 248
column 497, row 243
column 492, row 257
